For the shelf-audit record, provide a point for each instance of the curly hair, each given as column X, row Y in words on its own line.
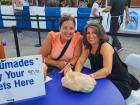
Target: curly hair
column 98, row 30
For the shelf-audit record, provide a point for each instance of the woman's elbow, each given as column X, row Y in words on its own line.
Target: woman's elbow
column 108, row 71
column 42, row 51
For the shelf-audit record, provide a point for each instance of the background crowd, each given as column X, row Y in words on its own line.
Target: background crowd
column 56, row 3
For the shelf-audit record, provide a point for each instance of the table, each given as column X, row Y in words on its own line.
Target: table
column 105, row 93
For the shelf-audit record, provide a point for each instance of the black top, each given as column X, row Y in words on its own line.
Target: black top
column 119, row 69
column 118, row 7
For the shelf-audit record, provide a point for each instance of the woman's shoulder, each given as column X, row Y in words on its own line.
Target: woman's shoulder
column 76, row 38
column 106, row 47
column 77, row 35
column 54, row 34
column 106, row 44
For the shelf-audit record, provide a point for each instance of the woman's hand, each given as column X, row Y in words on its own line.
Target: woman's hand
column 126, row 21
column 66, row 69
column 61, row 64
column 92, row 76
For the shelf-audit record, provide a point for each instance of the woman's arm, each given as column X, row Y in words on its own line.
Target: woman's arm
column 127, row 14
column 107, row 52
column 46, row 49
column 107, row 9
column 94, row 12
column 81, row 60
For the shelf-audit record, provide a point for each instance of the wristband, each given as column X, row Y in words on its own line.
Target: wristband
column 72, row 66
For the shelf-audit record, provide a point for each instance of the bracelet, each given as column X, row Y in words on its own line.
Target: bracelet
column 72, row 66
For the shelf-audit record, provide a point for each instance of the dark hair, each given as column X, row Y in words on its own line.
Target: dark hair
column 98, row 30
column 129, row 3
column 66, row 17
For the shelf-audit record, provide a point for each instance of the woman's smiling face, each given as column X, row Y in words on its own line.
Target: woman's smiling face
column 67, row 29
column 92, row 38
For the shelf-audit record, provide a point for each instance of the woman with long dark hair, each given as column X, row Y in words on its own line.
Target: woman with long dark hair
column 105, row 60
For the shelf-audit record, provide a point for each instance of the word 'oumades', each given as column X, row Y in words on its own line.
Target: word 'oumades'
column 16, row 64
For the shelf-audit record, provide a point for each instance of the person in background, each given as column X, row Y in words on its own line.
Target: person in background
column 104, row 60
column 55, row 42
column 18, row 8
column 116, row 9
column 95, row 11
column 62, row 3
column 74, row 3
column 82, row 4
column 95, row 8
column 129, row 3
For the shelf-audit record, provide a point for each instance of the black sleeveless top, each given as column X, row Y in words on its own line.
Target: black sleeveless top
column 119, row 69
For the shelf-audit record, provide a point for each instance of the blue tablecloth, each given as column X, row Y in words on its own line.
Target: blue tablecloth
column 105, row 93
